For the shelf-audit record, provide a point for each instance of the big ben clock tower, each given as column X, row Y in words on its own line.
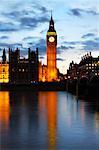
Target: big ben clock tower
column 51, row 39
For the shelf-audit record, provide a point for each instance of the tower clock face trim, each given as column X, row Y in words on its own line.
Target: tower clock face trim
column 51, row 39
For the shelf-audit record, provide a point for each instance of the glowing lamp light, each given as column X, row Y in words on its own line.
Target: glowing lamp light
column 52, row 74
column 43, row 79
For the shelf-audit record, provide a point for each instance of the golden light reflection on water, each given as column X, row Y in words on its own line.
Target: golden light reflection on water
column 49, row 100
column 83, row 115
column 4, row 110
column 97, row 120
column 47, row 120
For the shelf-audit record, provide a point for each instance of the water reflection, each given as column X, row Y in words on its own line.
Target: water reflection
column 47, row 120
column 24, row 116
column 4, row 110
column 48, row 102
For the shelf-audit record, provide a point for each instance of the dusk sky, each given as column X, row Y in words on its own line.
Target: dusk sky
column 24, row 23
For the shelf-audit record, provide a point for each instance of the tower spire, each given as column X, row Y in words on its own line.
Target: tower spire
column 51, row 24
column 4, row 56
column 51, row 15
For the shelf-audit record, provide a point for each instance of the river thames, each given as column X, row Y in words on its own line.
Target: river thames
column 48, row 120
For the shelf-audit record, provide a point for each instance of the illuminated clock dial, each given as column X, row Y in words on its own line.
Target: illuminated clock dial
column 51, row 39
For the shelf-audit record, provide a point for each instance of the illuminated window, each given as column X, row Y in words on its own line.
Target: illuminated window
column 3, row 69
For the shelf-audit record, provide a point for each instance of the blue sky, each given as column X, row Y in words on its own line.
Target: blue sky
column 24, row 23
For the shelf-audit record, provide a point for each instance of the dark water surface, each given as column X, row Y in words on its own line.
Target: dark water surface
column 48, row 120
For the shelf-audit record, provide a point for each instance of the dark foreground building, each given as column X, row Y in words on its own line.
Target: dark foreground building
column 22, row 70
column 88, row 67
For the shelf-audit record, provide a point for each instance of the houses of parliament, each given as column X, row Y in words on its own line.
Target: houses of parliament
column 21, row 70
column 18, row 70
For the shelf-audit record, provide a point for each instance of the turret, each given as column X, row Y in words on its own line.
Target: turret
column 51, row 25
column 4, row 56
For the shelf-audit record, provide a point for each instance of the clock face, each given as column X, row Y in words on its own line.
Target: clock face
column 51, row 39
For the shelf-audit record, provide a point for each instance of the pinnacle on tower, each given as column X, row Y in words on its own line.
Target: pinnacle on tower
column 51, row 15
column 4, row 56
column 51, row 24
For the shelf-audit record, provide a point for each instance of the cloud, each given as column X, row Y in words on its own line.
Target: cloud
column 60, row 59
column 4, row 37
column 23, row 50
column 29, row 10
column 28, row 17
column 21, row 18
column 4, row 45
column 13, row 46
column 43, row 31
column 28, row 38
column 85, row 45
column 72, row 43
column 42, row 8
column 79, row 12
column 97, row 39
column 92, row 12
column 91, row 45
column 90, row 42
column 15, row 14
column 27, row 22
column 24, row 23
column 0, row 49
column 64, row 48
column 40, row 44
column 8, row 27
column 75, row 12
column 41, row 57
column 88, row 35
